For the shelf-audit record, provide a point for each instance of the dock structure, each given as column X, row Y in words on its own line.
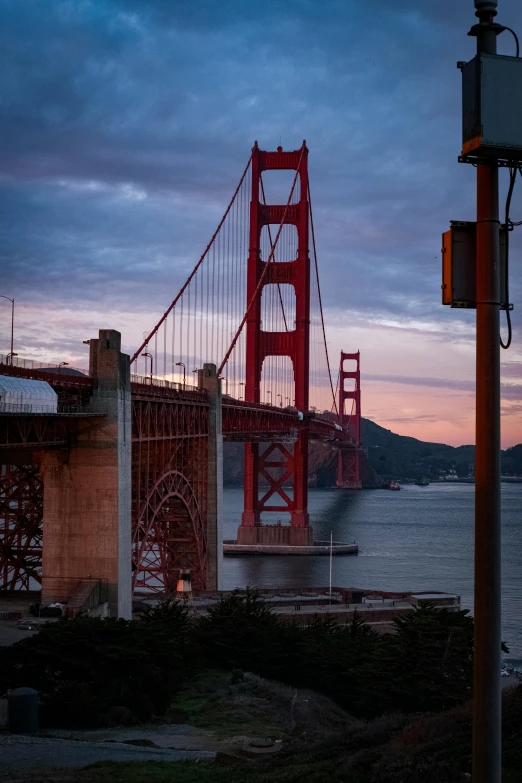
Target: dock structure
column 298, row 606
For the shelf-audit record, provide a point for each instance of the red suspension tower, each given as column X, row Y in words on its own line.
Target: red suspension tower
column 278, row 463
column 348, row 464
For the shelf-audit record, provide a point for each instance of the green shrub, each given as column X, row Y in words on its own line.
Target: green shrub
column 107, row 662
column 240, row 631
column 86, row 666
column 430, row 660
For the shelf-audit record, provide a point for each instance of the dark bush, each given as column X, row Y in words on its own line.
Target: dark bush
column 240, row 631
column 430, row 660
column 86, row 666
column 72, row 704
column 106, row 662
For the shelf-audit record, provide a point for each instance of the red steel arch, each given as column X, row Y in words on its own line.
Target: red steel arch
column 169, row 536
column 169, row 487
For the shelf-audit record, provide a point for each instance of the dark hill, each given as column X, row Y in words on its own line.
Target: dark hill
column 512, row 461
column 388, row 456
column 399, row 457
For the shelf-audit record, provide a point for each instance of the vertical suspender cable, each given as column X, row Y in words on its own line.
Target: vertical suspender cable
column 203, row 256
column 320, row 299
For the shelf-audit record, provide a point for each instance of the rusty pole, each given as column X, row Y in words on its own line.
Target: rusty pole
column 487, row 644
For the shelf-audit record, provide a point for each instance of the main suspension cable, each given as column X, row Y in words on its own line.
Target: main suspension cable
column 263, row 274
column 203, row 256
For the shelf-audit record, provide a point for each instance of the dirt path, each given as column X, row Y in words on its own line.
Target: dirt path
column 38, row 753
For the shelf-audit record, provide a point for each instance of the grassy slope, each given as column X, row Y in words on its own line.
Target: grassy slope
column 390, row 749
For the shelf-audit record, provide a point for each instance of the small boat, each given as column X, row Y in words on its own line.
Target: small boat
column 422, row 482
column 394, row 485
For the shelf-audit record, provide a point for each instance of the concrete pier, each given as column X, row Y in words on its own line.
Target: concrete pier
column 87, row 490
column 275, row 535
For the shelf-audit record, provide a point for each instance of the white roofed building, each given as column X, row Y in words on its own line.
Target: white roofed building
column 21, row 395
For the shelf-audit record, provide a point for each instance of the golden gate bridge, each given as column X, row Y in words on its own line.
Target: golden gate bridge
column 239, row 355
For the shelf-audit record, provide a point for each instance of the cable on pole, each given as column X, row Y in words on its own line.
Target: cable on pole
column 509, row 227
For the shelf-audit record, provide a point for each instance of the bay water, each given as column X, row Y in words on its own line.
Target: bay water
column 418, row 539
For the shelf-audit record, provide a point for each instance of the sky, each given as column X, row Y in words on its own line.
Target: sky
column 124, row 128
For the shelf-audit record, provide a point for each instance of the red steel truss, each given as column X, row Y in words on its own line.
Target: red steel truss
column 169, row 458
column 278, row 464
column 348, row 460
column 169, row 488
column 21, row 507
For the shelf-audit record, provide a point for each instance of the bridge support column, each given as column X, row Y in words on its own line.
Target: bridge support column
column 209, row 381
column 87, row 491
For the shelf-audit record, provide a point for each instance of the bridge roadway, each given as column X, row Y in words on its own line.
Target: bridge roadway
column 242, row 421
column 124, row 453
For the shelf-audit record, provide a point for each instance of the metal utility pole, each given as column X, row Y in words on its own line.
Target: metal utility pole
column 487, row 652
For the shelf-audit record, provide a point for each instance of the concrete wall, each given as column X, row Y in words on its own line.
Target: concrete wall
column 275, row 535
column 87, row 491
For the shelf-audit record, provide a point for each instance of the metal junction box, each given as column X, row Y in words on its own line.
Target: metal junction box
column 459, row 246
column 492, row 107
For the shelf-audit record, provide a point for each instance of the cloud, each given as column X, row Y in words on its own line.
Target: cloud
column 125, row 125
column 433, row 383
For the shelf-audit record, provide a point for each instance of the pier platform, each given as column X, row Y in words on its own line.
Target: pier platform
column 232, row 548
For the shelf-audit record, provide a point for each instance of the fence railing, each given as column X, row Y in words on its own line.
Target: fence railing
column 30, row 364
column 22, row 407
column 146, row 380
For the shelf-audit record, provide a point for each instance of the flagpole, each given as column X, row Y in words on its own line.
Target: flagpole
column 331, row 560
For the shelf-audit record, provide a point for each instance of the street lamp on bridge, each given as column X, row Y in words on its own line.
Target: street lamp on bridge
column 12, row 353
column 180, row 364
column 281, row 400
column 62, row 364
column 151, row 363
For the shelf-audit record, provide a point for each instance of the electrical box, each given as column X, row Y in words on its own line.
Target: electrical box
column 492, row 107
column 459, row 251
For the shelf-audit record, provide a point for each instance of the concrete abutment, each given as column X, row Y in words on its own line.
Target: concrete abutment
column 87, row 529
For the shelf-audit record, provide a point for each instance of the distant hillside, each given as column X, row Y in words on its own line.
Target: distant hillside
column 399, row 457
column 512, row 461
column 388, row 456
